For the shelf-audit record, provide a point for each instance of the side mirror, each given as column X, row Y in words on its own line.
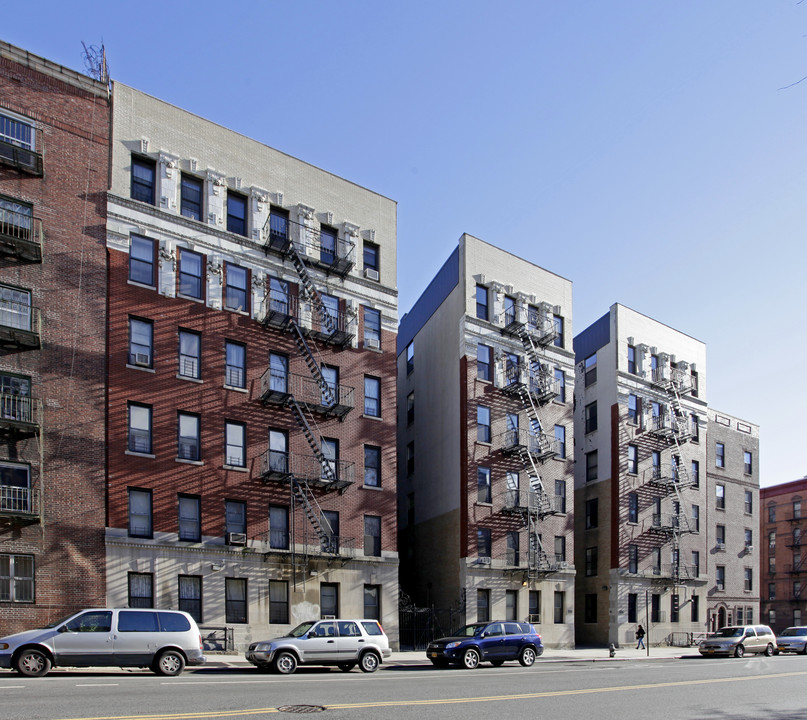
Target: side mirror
column 62, row 629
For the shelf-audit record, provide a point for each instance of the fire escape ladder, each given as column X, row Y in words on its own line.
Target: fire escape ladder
column 537, row 559
column 313, row 366
column 311, row 508
column 328, row 468
column 312, row 293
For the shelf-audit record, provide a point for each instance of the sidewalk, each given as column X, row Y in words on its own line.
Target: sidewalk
column 586, row 654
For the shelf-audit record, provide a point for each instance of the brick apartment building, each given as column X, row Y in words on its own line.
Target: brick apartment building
column 783, row 559
column 651, row 498
column 54, row 141
column 252, row 325
column 485, row 389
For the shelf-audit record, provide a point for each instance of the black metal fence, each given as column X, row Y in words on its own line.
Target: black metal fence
column 418, row 626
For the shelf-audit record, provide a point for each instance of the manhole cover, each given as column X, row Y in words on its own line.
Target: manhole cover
column 301, row 708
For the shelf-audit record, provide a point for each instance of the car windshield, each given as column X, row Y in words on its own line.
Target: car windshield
column 301, row 629
column 730, row 632
column 792, row 632
column 57, row 622
column 470, row 630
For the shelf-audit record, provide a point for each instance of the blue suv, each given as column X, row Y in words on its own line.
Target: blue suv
column 494, row 642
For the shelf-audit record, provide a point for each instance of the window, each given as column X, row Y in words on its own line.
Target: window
column 190, row 514
column 484, row 362
column 372, row 466
column 370, row 254
column 190, row 197
column 190, row 354
column 191, row 265
column 771, row 617
column 655, row 561
column 410, row 357
column 513, row 547
column 410, row 458
column 559, row 340
column 771, row 513
column 141, row 260
column 139, row 428
column 633, row 459
column 235, row 371
column 633, row 559
column 720, row 455
column 410, row 408
column 190, row 595
column 483, row 494
column 235, row 600
column 17, row 578
column 235, row 438
column 235, row 516
column 749, row 502
column 696, row 563
column 330, row 450
column 720, row 497
column 372, row 328
column 631, row 359
column 772, row 565
column 278, row 227
column 591, row 417
column 590, row 370
column 372, row 396
column 512, row 373
column 748, row 463
column 560, row 496
column 632, row 605
column 141, row 342
column 694, row 427
column 15, row 487
column 278, row 527
column 143, row 179
column 327, row 247
column 696, row 473
column 797, row 616
column 483, row 605
column 796, row 509
column 560, row 548
column 560, row 601
column 720, row 534
column 655, row 607
column 329, row 600
column 187, row 436
column 592, row 513
column 483, row 542
column 560, row 378
column 372, row 602
column 591, row 466
column 560, row 440
column 748, row 579
column 279, row 297
column 235, row 292
column 17, row 132
column 482, row 302
column 236, row 213
column 511, row 605
column 141, row 590
column 696, row 518
column 278, row 602
column 633, row 409
column 330, row 523
column 591, row 561
column 372, row 535
column 279, row 374
column 535, row 606
column 749, row 537
column 140, row 513
column 483, row 424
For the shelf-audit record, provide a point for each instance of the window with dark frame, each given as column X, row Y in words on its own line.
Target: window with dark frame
column 633, row 459
column 235, row 600
column 482, row 302
column 236, row 295
column 190, row 354
column 410, row 408
column 191, row 273
column 372, row 466
column 278, row 227
column 720, row 497
column 483, row 545
column 236, row 213
column 372, row 396
column 329, row 600
column 560, row 378
column 17, row 583
column 591, row 417
column 560, row 440
column 141, row 590
column 279, row 527
column 188, row 443
column 720, row 455
column 327, row 244
column 141, row 260
column 235, row 371
column 370, row 254
column 560, row 496
column 190, row 197
column 235, row 516
column 141, row 343
column 559, row 607
column 590, row 370
column 140, row 513
column 591, row 466
column 235, row 439
column 633, row 559
column 483, row 424
column 372, row 535
column 483, row 489
column 484, row 362
column 591, row 561
column 144, row 174
column 748, row 462
column 139, row 428
column 190, row 595
column 631, row 359
column 592, row 513
column 632, row 607
column 482, row 605
column 633, row 507
column 559, row 340
column 278, row 602
column 372, row 328
column 190, row 518
column 372, row 602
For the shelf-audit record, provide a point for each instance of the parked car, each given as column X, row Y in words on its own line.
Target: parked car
column 344, row 643
column 737, row 640
column 793, row 639
column 494, row 642
column 163, row 640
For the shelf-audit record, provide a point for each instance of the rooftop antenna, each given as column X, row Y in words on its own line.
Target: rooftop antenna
column 95, row 62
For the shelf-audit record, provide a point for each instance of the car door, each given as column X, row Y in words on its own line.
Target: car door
column 751, row 642
column 491, row 642
column 513, row 641
column 85, row 640
column 351, row 640
column 320, row 645
column 135, row 637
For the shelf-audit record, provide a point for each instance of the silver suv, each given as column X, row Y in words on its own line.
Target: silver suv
column 344, row 643
column 737, row 640
column 163, row 640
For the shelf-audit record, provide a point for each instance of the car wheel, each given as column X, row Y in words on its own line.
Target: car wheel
column 470, row 659
column 285, row 663
column 171, row 662
column 497, row 663
column 346, row 667
column 769, row 650
column 369, row 662
column 527, row 657
column 33, row 663
column 739, row 651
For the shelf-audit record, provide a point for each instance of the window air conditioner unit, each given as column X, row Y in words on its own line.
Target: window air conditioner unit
column 721, row 546
column 372, row 343
column 562, row 564
column 483, row 561
column 371, row 274
column 749, row 548
column 142, row 359
column 236, row 538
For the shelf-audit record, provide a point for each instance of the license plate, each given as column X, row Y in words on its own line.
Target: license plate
column 434, row 654
column 710, row 651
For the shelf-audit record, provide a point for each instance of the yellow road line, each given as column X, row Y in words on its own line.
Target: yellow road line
column 448, row 701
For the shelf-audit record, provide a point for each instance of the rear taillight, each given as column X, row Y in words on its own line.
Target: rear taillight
column 201, row 647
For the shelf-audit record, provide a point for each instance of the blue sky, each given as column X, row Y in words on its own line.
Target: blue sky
column 643, row 149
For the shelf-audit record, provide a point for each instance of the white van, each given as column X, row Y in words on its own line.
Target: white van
column 163, row 640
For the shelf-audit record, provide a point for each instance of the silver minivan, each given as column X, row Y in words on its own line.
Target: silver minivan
column 737, row 640
column 163, row 640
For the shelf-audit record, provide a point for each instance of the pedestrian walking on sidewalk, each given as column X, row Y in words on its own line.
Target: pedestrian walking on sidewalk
column 640, row 637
